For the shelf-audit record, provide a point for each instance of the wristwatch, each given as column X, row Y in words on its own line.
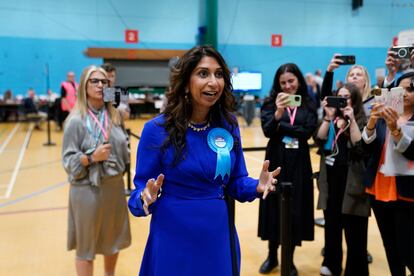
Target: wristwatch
column 90, row 159
column 396, row 132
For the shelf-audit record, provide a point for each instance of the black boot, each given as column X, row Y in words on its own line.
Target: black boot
column 271, row 261
column 369, row 258
column 293, row 271
column 268, row 265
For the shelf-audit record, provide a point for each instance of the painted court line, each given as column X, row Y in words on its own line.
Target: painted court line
column 42, row 191
column 33, row 210
column 19, row 162
column 11, row 134
column 253, row 158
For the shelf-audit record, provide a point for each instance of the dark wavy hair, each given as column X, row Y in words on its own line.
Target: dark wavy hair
column 302, row 88
column 178, row 110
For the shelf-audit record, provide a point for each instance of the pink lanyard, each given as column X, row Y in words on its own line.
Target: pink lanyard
column 292, row 115
column 340, row 131
column 103, row 129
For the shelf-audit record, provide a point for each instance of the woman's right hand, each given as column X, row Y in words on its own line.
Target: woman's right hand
column 150, row 193
column 102, row 152
column 334, row 64
column 392, row 64
column 282, row 101
column 376, row 113
column 329, row 111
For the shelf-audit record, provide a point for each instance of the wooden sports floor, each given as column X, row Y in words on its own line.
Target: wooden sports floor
column 34, row 200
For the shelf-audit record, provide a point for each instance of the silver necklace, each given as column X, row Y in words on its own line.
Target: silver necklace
column 198, row 129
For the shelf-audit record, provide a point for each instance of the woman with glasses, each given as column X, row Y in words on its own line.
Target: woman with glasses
column 95, row 153
column 392, row 196
column 342, row 193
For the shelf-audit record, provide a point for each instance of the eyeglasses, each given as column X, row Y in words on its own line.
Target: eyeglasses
column 96, row 81
column 345, row 96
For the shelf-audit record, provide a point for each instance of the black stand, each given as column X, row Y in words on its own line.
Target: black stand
column 286, row 237
column 231, row 208
column 128, row 166
column 49, row 143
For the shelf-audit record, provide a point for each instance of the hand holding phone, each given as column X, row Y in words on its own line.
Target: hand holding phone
column 402, row 52
column 295, row 100
column 346, row 60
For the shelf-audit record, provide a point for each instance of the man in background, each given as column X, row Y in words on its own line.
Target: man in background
column 31, row 109
column 111, row 72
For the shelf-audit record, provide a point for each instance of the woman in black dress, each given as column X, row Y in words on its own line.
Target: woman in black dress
column 288, row 128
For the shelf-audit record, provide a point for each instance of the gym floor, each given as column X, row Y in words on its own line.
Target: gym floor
column 34, row 200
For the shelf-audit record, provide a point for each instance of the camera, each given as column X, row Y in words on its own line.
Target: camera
column 346, row 60
column 116, row 95
column 295, row 100
column 402, row 52
column 337, row 102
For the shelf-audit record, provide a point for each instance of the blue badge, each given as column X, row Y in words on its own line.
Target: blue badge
column 221, row 142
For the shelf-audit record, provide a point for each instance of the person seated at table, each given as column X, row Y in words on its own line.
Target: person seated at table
column 31, row 110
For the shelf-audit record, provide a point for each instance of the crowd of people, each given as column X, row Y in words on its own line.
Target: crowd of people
column 190, row 163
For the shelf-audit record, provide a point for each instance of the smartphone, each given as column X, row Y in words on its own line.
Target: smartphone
column 295, row 100
column 347, row 60
column 402, row 52
column 337, row 102
column 116, row 95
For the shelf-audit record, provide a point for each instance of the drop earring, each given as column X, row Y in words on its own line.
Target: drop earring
column 187, row 99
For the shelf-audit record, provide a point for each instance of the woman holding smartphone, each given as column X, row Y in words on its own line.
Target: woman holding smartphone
column 357, row 75
column 288, row 124
column 342, row 193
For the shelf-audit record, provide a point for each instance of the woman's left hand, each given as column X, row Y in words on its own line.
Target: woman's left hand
column 349, row 113
column 267, row 180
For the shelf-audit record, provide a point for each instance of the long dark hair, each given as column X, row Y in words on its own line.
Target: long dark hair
column 356, row 100
column 179, row 109
column 302, row 88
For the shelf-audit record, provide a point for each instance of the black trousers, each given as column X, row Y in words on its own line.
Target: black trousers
column 355, row 228
column 405, row 223
column 396, row 223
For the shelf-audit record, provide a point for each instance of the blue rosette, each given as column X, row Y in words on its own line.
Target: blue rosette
column 221, row 142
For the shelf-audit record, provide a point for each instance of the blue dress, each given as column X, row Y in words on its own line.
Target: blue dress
column 189, row 231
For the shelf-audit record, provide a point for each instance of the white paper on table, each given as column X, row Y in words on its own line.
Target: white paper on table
column 395, row 163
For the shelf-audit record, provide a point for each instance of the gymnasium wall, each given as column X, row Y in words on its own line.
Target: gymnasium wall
column 36, row 34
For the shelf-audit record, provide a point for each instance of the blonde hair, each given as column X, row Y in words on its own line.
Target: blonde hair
column 367, row 89
column 81, row 105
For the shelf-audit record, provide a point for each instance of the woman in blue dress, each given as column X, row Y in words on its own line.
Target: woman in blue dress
column 189, row 158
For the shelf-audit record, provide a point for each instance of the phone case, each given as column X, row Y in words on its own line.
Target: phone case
column 295, row 100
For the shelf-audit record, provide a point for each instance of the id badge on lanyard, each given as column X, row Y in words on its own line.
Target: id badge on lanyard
column 290, row 142
column 329, row 160
column 102, row 125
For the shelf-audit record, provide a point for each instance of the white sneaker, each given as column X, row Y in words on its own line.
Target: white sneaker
column 325, row 271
